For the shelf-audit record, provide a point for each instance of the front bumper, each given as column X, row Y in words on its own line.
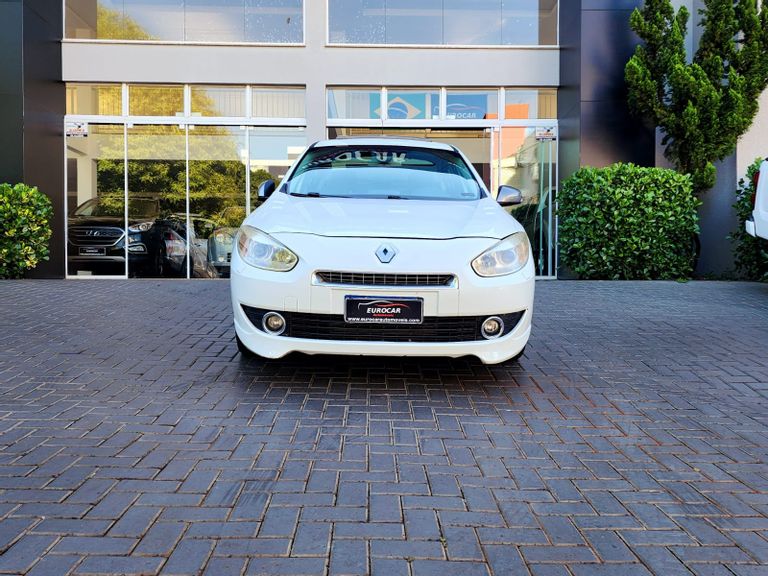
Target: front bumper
column 299, row 291
column 749, row 225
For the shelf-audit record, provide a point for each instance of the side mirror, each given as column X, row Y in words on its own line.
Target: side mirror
column 266, row 189
column 509, row 196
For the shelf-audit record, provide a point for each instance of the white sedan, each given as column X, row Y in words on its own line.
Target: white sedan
column 386, row 247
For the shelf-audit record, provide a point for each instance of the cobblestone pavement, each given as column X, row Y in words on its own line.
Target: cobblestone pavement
column 630, row 440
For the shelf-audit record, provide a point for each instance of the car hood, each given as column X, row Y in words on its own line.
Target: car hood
column 381, row 218
column 105, row 220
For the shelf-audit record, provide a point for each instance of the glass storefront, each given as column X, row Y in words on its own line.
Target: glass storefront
column 509, row 136
column 163, row 197
column 252, row 21
column 526, row 158
column 358, row 103
column 444, row 22
column 96, row 199
column 160, row 190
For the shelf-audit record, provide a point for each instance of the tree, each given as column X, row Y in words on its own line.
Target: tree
column 705, row 105
column 114, row 24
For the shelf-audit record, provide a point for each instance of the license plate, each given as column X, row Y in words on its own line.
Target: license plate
column 382, row 310
column 90, row 251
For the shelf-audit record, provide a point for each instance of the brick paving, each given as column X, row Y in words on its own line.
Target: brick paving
column 630, row 440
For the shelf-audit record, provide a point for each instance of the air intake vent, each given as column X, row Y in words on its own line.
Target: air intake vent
column 371, row 279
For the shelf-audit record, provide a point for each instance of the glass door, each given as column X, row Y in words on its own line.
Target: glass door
column 526, row 158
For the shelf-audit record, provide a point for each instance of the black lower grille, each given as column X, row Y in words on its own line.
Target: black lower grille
column 372, row 279
column 433, row 329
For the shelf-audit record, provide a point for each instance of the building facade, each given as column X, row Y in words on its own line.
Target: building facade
column 151, row 123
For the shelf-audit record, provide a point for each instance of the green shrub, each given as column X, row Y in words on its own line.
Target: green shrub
column 627, row 222
column 25, row 228
column 751, row 252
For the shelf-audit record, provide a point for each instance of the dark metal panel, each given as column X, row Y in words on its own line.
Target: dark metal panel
column 609, row 4
column 717, row 219
column 609, row 134
column 11, row 105
column 604, row 54
column 44, row 102
column 569, row 94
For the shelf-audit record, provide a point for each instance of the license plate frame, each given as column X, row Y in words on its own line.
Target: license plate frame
column 408, row 311
column 92, row 251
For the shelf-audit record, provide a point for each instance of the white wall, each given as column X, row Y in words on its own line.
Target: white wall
column 754, row 144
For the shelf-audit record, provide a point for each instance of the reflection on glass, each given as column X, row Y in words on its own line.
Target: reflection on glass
column 278, row 102
column 207, row 21
column 155, row 100
column 226, row 101
column 272, row 21
column 96, row 202
column 525, row 104
column 98, row 99
column 102, row 19
column 217, row 158
column 472, row 104
column 357, row 21
column 409, row 22
column 450, row 22
column 529, row 22
column 349, row 103
column 413, row 104
column 472, row 22
column 157, row 227
column 155, row 19
column 527, row 161
column 273, row 150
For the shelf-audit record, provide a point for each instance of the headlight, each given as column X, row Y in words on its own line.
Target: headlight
column 140, row 227
column 262, row 251
column 506, row 257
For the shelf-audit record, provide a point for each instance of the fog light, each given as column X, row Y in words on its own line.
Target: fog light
column 492, row 327
column 273, row 323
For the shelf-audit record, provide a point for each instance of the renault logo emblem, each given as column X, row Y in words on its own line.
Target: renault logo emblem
column 386, row 253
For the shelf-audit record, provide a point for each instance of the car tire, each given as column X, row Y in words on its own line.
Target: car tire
column 159, row 264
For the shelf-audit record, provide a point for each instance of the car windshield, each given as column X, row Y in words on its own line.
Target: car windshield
column 396, row 172
column 108, row 205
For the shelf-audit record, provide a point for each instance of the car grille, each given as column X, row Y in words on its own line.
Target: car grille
column 94, row 235
column 372, row 279
column 433, row 329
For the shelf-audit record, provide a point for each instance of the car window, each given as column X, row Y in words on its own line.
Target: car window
column 383, row 172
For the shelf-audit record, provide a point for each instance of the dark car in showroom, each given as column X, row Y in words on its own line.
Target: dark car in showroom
column 96, row 235
column 156, row 243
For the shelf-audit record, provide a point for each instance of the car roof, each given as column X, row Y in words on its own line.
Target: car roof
column 383, row 141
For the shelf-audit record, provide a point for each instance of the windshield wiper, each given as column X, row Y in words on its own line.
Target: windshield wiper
column 316, row 195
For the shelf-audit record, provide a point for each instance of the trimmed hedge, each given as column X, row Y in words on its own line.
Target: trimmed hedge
column 751, row 252
column 25, row 229
column 626, row 222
